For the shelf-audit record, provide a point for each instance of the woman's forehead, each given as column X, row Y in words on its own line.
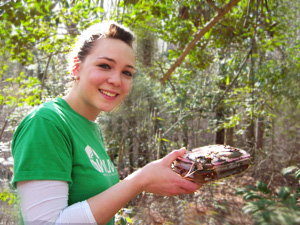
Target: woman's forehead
column 114, row 49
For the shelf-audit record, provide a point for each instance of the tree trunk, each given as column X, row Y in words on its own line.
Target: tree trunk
column 197, row 139
column 121, row 157
column 229, row 133
column 229, row 136
column 159, row 143
column 260, row 132
column 220, row 135
column 121, row 153
column 250, row 137
column 185, row 134
column 131, row 154
column 146, row 48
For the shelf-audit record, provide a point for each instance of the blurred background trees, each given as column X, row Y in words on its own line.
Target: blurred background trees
column 238, row 85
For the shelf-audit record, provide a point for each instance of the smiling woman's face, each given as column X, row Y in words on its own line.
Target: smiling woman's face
column 104, row 78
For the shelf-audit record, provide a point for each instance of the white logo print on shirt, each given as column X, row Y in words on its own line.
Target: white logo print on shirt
column 103, row 166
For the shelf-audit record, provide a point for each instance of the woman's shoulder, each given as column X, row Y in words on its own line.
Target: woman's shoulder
column 45, row 109
column 53, row 111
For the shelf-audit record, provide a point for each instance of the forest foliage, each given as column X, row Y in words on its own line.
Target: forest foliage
column 238, row 84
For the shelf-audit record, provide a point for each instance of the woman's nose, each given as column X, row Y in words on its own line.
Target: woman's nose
column 115, row 79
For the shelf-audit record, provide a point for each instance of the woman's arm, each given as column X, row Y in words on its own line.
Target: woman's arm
column 47, row 201
column 156, row 177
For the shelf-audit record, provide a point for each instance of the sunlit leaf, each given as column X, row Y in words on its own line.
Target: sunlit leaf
column 284, row 192
column 288, row 170
column 262, row 187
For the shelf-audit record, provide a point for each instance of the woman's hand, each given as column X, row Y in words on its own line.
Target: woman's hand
column 156, row 177
column 159, row 178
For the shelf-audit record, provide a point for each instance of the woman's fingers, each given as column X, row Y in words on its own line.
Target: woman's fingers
column 159, row 178
column 179, row 190
column 186, row 184
column 173, row 156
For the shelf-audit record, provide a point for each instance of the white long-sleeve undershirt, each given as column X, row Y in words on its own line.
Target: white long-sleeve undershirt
column 46, row 202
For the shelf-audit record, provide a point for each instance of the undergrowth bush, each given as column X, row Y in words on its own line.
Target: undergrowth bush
column 276, row 208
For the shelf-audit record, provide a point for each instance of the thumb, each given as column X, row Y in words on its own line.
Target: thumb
column 174, row 155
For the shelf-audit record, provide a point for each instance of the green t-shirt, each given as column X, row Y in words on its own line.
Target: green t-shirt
column 56, row 143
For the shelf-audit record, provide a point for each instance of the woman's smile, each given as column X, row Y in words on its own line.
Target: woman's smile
column 108, row 93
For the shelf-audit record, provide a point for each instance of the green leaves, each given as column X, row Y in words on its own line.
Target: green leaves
column 292, row 169
column 262, row 187
column 32, row 26
column 27, row 92
column 288, row 170
column 269, row 208
column 297, row 175
column 284, row 192
column 8, row 197
column 251, row 196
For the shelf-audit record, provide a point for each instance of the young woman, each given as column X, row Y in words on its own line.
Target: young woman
column 62, row 171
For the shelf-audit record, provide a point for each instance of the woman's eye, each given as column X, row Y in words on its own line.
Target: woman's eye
column 127, row 73
column 104, row 66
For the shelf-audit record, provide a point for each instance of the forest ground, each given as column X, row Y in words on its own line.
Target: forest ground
column 214, row 204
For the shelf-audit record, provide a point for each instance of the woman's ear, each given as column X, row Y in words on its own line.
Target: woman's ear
column 75, row 68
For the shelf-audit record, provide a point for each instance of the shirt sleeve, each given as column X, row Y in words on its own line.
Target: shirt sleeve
column 46, row 202
column 42, row 151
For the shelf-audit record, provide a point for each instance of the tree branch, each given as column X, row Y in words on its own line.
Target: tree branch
column 45, row 74
column 175, row 124
column 198, row 35
column 235, row 78
column 212, row 4
column 242, row 66
column 3, row 128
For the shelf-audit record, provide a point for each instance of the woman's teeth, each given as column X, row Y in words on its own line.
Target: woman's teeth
column 108, row 93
